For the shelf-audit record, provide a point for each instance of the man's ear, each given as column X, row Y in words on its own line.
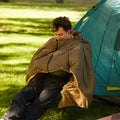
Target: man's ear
column 69, row 32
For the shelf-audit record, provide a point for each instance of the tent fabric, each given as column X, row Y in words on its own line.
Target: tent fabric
column 111, row 117
column 101, row 27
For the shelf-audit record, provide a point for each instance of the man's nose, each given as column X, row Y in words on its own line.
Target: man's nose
column 57, row 37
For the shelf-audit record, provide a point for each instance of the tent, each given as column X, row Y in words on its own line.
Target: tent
column 101, row 27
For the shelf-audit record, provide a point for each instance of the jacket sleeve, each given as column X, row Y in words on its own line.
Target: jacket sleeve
column 41, row 52
column 82, row 69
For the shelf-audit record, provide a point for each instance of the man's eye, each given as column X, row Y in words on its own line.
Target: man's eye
column 60, row 34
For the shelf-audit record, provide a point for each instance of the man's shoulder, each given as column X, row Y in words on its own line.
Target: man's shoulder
column 49, row 41
column 76, row 35
column 52, row 39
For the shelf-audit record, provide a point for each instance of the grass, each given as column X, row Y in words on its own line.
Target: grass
column 24, row 27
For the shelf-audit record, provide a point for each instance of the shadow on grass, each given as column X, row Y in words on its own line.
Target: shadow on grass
column 12, row 44
column 15, row 72
column 22, row 65
column 5, row 56
column 36, row 26
column 21, row 32
column 8, row 56
column 8, row 94
column 45, row 21
column 16, row 44
column 31, row 26
column 94, row 112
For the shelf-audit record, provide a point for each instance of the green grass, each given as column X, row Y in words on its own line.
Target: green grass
column 24, row 27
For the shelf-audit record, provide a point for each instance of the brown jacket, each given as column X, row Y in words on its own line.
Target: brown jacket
column 72, row 55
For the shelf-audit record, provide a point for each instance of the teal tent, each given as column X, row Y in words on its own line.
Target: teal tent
column 101, row 27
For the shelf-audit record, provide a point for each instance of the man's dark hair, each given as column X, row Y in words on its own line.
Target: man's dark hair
column 61, row 22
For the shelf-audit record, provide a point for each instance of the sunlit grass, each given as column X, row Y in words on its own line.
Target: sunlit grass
column 28, row 13
column 22, row 38
column 42, row 10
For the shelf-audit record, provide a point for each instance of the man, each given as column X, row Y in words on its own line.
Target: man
column 62, row 66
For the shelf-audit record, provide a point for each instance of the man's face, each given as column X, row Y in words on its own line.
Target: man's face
column 61, row 34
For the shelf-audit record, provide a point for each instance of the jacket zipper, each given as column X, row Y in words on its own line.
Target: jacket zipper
column 49, row 61
column 52, row 55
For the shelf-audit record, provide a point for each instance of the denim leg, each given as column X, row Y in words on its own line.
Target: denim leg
column 25, row 95
column 47, row 97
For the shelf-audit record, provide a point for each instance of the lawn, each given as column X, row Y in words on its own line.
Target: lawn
column 24, row 27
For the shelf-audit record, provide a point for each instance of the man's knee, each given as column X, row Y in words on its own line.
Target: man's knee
column 48, row 96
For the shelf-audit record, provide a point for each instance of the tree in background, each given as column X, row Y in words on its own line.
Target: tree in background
column 4, row 0
column 59, row 1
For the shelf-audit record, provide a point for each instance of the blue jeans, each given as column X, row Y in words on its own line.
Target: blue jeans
column 33, row 100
